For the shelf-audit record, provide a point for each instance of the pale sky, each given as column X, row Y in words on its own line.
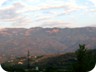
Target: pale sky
column 47, row 13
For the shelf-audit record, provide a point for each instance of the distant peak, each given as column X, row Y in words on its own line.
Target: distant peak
column 54, row 30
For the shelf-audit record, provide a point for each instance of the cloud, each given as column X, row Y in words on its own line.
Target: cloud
column 29, row 12
column 8, row 14
column 67, row 8
column 52, row 23
column 2, row 1
column 22, row 22
column 11, row 15
column 94, row 2
column 48, row 4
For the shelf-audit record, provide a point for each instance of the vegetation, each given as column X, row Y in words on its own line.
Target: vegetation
column 82, row 60
column 85, row 60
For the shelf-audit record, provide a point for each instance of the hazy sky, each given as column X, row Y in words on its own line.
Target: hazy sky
column 47, row 13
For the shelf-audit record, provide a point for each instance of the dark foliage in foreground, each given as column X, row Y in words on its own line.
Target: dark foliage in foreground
column 82, row 60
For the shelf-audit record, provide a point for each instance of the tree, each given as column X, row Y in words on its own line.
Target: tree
column 84, row 60
column 28, row 55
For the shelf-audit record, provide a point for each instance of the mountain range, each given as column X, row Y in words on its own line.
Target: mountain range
column 43, row 41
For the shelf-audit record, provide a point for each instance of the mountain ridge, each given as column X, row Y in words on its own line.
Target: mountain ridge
column 40, row 41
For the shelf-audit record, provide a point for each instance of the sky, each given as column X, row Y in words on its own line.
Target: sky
column 47, row 13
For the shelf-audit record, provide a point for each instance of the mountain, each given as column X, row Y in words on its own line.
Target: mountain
column 40, row 41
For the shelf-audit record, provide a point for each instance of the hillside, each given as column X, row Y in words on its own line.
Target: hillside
column 43, row 41
column 48, row 63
